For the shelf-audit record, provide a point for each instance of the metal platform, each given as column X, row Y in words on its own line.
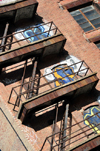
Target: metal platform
column 41, row 93
column 38, row 44
column 69, row 90
column 63, row 143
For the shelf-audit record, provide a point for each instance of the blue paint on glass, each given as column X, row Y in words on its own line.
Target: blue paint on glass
column 37, row 30
column 61, row 75
column 94, row 120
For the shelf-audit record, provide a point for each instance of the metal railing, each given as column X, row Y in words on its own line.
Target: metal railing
column 78, row 134
column 41, row 85
column 11, row 38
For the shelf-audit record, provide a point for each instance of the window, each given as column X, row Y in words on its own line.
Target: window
column 87, row 18
column 98, row 44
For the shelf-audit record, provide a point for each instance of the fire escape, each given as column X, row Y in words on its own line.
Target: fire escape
column 37, row 93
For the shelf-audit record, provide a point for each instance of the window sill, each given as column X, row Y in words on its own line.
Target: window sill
column 93, row 35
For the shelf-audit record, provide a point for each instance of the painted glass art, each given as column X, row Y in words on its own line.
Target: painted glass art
column 65, row 71
column 36, row 33
column 64, row 74
column 7, row 2
column 94, row 120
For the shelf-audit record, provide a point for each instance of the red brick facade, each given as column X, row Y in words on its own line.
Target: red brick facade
column 76, row 43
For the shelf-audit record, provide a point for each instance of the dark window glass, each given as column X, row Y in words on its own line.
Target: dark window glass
column 92, row 17
column 81, row 21
column 90, row 13
column 88, row 8
column 95, row 21
column 87, row 18
column 78, row 17
column 74, row 13
column 85, row 25
column 98, row 45
column 97, row 25
column 88, row 29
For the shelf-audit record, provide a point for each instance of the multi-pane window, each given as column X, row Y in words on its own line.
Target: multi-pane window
column 87, row 18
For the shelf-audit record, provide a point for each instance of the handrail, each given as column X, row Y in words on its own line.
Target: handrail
column 55, row 71
column 46, row 139
column 28, row 28
column 25, row 92
column 27, row 38
column 47, row 31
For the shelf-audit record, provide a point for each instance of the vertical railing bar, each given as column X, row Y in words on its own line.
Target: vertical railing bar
column 49, row 29
column 56, row 27
column 22, row 82
column 35, row 34
column 60, row 135
column 67, row 75
column 33, row 76
column 10, row 95
column 56, row 31
column 88, row 66
column 25, row 37
column 65, row 122
column 43, row 144
column 54, row 124
column 80, row 67
column 4, row 37
column 15, row 103
column 24, row 96
column 86, row 71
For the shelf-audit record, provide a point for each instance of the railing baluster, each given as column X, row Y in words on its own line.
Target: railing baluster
column 10, row 95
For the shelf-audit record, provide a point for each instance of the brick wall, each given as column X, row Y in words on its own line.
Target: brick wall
column 76, row 43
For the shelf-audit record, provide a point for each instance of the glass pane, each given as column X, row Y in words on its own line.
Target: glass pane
column 81, row 21
column 78, row 17
column 98, row 45
column 95, row 21
column 85, row 25
column 88, row 29
column 91, row 14
column 97, row 25
column 88, row 8
column 74, row 13
column 29, row 33
column 91, row 17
